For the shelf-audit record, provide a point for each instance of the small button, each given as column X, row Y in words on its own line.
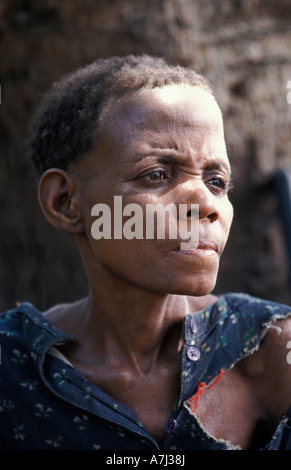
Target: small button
column 192, row 326
column 193, row 353
column 171, row 425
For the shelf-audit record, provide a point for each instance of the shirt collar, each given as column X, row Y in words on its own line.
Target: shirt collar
column 40, row 334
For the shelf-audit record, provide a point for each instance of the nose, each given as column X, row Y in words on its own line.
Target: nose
column 207, row 202
column 208, row 209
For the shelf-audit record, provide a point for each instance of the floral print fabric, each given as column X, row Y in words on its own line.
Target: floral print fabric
column 45, row 403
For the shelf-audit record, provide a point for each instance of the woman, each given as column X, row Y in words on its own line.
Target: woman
column 150, row 359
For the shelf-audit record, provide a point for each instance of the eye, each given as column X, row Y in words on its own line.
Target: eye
column 155, row 177
column 219, row 184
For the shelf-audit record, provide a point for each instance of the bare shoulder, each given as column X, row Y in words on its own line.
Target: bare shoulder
column 270, row 370
column 279, row 332
column 274, row 347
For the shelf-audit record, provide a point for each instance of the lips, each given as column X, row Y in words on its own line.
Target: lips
column 207, row 246
column 204, row 248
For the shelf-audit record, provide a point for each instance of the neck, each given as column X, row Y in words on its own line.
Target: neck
column 128, row 323
column 134, row 325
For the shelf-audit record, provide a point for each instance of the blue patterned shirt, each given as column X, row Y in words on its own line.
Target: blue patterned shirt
column 46, row 403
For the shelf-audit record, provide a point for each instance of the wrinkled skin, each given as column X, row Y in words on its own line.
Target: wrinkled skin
column 164, row 145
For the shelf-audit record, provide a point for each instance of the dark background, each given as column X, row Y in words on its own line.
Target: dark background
column 242, row 46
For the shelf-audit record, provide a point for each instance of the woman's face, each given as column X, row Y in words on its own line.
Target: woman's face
column 161, row 146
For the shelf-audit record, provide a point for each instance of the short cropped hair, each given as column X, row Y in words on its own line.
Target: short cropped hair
column 66, row 124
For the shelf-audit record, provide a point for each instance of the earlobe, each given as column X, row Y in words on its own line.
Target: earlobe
column 57, row 196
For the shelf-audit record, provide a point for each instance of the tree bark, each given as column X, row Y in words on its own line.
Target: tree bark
column 242, row 46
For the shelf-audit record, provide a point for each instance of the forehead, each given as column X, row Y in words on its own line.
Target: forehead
column 196, row 103
column 180, row 121
column 172, row 106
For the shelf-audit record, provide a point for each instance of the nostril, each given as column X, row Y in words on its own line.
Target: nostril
column 193, row 212
column 213, row 216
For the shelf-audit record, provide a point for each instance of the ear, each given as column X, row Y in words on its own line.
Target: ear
column 57, row 196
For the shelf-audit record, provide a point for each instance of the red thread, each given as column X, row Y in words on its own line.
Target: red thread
column 201, row 387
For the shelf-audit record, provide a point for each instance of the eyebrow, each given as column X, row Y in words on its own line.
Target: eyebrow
column 218, row 164
column 172, row 157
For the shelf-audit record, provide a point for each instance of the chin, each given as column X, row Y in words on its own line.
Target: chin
column 196, row 286
column 198, row 291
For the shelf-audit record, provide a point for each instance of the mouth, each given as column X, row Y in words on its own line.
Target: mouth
column 204, row 249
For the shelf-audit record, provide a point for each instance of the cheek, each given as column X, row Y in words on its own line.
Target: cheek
column 138, row 262
column 227, row 216
column 95, row 205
